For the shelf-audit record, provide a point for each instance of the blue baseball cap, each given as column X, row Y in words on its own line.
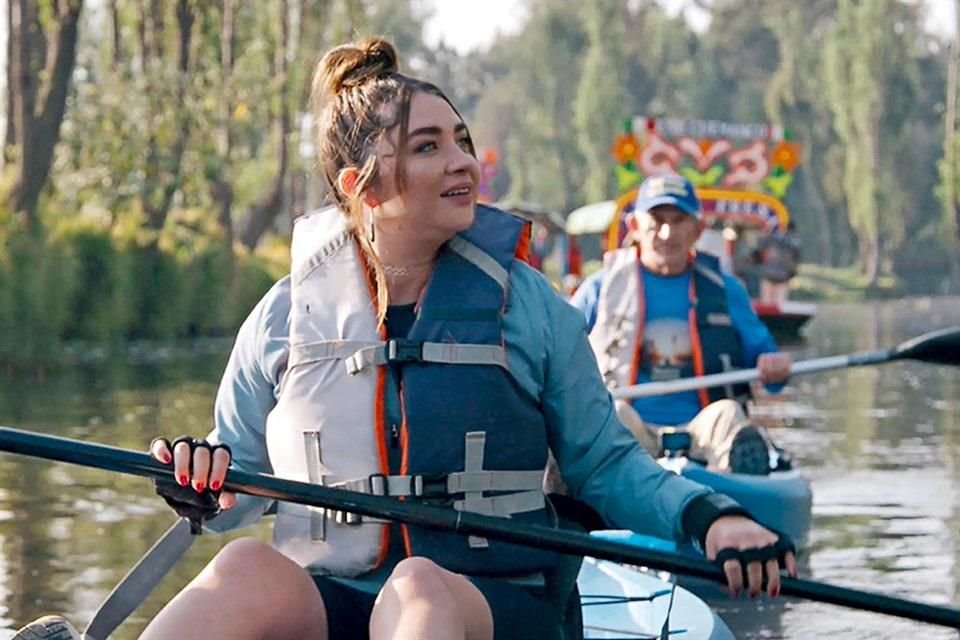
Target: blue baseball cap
column 668, row 190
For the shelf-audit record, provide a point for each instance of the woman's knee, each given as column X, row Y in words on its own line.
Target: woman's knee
column 249, row 561
column 420, row 578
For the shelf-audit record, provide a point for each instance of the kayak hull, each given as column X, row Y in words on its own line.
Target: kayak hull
column 626, row 602
column 782, row 500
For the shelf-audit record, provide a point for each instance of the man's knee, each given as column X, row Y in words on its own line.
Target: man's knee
column 727, row 411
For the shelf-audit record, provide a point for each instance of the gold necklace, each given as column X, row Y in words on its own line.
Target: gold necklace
column 395, row 271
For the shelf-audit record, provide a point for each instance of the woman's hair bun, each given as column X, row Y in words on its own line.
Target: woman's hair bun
column 353, row 64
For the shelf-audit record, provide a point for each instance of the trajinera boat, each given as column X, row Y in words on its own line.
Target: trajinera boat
column 741, row 173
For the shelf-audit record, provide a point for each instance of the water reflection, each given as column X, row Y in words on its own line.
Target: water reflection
column 881, row 444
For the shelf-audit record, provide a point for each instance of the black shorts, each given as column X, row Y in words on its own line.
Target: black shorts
column 519, row 612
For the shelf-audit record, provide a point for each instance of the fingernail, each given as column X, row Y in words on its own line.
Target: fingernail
column 214, row 485
column 182, row 480
column 166, row 457
column 776, row 592
column 200, row 487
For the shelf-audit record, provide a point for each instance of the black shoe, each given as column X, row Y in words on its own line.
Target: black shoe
column 47, row 628
column 749, row 453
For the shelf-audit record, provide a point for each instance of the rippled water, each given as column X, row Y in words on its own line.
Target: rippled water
column 880, row 444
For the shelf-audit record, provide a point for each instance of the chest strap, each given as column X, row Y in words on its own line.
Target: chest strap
column 522, row 489
column 400, row 350
column 362, row 354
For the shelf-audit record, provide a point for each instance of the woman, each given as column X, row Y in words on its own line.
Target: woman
column 411, row 353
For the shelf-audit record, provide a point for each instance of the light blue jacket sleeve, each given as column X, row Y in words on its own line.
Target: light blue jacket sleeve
column 599, row 459
column 754, row 335
column 247, row 395
column 587, row 298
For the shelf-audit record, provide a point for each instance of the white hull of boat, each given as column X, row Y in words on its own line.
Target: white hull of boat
column 627, row 602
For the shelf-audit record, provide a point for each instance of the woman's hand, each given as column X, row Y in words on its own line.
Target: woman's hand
column 745, row 541
column 197, row 464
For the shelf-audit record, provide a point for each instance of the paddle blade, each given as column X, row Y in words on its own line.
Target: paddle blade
column 937, row 347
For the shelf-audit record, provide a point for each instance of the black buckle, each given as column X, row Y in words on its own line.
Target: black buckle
column 402, row 350
column 430, row 485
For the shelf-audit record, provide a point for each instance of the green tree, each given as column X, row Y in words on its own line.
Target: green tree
column 949, row 166
column 859, row 52
column 602, row 99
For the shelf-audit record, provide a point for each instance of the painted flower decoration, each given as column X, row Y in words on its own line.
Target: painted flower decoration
column 786, row 155
column 625, row 148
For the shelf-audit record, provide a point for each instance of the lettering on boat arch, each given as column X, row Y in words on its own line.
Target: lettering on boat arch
column 741, row 171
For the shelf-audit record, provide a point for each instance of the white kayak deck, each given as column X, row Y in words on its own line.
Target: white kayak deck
column 626, row 602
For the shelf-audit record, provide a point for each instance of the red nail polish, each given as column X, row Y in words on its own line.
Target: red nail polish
column 200, row 487
column 167, row 458
column 214, row 485
column 182, row 480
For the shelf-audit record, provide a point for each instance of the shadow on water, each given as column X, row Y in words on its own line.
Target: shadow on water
column 880, row 444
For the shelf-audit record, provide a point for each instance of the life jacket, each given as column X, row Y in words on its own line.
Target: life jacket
column 471, row 438
column 617, row 336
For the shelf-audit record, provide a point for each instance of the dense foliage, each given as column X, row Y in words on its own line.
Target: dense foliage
column 168, row 139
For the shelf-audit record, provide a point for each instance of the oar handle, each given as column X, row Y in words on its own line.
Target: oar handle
column 741, row 376
column 467, row 523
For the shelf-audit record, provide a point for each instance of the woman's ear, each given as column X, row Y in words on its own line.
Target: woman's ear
column 347, row 181
column 347, row 184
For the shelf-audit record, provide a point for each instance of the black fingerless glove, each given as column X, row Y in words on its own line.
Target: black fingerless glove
column 197, row 507
column 702, row 511
column 778, row 551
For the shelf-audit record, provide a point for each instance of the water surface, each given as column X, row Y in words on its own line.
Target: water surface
column 880, row 444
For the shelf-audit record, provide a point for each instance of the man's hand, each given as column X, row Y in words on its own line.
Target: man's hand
column 774, row 367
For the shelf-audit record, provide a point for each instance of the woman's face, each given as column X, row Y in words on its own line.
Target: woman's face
column 440, row 173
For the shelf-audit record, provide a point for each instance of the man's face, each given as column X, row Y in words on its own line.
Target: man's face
column 666, row 236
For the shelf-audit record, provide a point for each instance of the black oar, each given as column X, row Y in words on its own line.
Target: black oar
column 937, row 347
column 141, row 464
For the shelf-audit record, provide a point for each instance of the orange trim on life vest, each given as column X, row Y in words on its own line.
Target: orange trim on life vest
column 404, row 466
column 522, row 250
column 379, row 412
column 641, row 322
column 695, row 344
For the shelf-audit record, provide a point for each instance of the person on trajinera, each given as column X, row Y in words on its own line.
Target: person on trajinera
column 659, row 310
column 779, row 259
column 411, row 352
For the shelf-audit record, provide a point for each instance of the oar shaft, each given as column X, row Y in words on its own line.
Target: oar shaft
column 741, row 376
column 141, row 464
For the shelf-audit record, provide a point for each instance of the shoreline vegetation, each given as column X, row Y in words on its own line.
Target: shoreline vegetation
column 822, row 283
column 80, row 285
column 82, row 290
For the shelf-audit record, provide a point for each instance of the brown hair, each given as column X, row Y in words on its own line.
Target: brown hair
column 353, row 87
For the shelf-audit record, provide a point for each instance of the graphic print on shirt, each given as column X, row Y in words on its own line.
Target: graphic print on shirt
column 666, row 349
